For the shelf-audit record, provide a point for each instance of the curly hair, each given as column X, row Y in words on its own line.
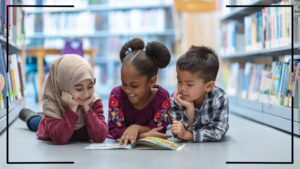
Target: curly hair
column 147, row 60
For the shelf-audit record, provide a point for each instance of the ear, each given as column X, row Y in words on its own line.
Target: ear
column 209, row 86
column 153, row 80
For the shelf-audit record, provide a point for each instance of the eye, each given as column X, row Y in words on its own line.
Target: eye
column 90, row 87
column 134, row 86
column 190, row 85
column 78, row 89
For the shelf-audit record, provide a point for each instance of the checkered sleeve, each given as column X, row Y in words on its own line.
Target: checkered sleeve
column 218, row 126
column 176, row 110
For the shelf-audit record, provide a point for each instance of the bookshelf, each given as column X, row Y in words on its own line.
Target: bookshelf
column 258, row 79
column 105, row 25
column 11, row 82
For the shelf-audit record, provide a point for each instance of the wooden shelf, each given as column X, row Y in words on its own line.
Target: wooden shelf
column 278, row 51
column 240, row 12
column 272, row 115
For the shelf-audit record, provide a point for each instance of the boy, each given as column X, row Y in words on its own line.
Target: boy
column 199, row 108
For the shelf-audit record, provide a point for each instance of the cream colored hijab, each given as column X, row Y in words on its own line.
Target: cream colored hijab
column 65, row 72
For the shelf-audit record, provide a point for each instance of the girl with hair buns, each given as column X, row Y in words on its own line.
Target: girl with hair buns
column 139, row 108
column 71, row 109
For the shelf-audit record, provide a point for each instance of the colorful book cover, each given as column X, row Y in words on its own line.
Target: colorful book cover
column 3, row 80
column 15, row 76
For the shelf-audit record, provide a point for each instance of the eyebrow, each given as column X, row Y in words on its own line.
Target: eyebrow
column 188, row 81
column 81, row 85
column 132, row 82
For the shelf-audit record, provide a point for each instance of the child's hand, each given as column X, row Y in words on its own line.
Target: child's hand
column 178, row 98
column 129, row 135
column 155, row 132
column 86, row 106
column 69, row 101
column 178, row 129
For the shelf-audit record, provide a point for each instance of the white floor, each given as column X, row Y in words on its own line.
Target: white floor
column 245, row 141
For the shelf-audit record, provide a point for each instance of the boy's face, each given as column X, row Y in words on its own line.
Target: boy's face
column 82, row 91
column 191, row 87
column 136, row 87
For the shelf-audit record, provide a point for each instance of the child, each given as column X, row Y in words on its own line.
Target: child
column 139, row 108
column 70, row 107
column 199, row 108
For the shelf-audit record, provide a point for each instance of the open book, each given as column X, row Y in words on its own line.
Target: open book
column 144, row 143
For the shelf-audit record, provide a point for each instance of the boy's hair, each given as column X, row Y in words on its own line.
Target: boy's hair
column 156, row 55
column 202, row 60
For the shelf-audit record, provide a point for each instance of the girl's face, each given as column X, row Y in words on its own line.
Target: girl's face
column 191, row 87
column 82, row 91
column 136, row 87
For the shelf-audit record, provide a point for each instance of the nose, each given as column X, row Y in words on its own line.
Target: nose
column 126, row 90
column 85, row 94
column 181, row 89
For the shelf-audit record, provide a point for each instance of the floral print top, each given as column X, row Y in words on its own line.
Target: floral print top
column 122, row 113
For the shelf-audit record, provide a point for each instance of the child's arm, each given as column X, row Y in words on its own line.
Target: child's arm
column 116, row 120
column 162, row 116
column 60, row 131
column 218, row 126
column 132, row 133
column 95, row 122
column 160, row 121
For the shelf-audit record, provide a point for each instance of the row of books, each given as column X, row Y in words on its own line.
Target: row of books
column 268, row 83
column 88, row 23
column 267, row 28
column 15, row 28
column 11, row 83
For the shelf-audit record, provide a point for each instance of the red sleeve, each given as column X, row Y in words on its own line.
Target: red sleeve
column 116, row 121
column 161, row 117
column 61, row 130
column 95, row 122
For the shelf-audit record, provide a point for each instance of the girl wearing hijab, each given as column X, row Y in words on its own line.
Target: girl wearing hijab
column 71, row 109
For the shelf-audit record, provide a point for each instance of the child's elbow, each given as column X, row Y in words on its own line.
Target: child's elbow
column 60, row 141
column 98, row 140
column 101, row 137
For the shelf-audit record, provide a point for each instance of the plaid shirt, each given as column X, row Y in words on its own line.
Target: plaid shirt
column 210, row 120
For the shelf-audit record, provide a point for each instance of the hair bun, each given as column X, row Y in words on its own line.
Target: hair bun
column 159, row 53
column 131, row 46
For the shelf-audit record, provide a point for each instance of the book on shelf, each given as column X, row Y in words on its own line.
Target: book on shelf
column 271, row 83
column 263, row 29
column 12, row 82
column 297, row 93
column 3, row 81
column 104, row 30
column 155, row 143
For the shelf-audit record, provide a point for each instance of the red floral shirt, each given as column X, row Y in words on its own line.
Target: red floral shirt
column 122, row 114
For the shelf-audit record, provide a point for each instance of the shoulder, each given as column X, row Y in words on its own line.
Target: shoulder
column 217, row 92
column 218, row 98
column 162, row 92
column 117, row 92
column 116, row 97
